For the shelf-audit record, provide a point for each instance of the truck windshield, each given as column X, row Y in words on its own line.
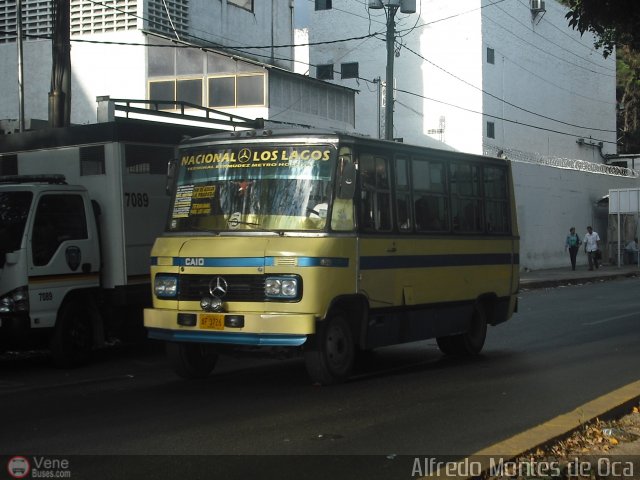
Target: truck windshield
column 251, row 187
column 14, row 210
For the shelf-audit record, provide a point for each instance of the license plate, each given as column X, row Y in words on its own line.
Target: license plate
column 212, row 321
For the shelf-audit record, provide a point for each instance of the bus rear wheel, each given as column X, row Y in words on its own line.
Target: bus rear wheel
column 192, row 360
column 329, row 355
column 470, row 342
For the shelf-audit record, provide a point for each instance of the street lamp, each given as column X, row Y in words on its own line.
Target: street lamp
column 405, row 6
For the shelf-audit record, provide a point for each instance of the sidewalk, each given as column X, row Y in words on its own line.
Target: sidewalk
column 565, row 276
column 629, row 451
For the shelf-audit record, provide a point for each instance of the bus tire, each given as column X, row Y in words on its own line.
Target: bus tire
column 192, row 360
column 329, row 355
column 72, row 340
column 470, row 342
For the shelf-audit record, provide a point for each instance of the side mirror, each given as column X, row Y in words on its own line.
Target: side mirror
column 11, row 258
column 347, row 180
column 172, row 167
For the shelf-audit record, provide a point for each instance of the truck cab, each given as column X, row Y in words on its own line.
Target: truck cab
column 49, row 266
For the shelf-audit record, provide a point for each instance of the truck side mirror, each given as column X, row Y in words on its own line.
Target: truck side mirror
column 172, row 166
column 11, row 258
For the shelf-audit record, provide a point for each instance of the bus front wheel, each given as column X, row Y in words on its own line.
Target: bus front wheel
column 192, row 360
column 330, row 353
column 470, row 342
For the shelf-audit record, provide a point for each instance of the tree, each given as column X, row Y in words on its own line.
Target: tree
column 613, row 22
column 628, row 95
column 615, row 26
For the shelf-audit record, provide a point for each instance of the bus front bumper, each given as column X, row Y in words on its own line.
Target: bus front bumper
column 258, row 329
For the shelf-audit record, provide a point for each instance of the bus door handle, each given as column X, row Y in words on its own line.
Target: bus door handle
column 392, row 248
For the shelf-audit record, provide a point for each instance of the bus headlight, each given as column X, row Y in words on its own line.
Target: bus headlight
column 15, row 301
column 166, row 286
column 282, row 287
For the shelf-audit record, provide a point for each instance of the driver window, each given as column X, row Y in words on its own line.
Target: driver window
column 58, row 218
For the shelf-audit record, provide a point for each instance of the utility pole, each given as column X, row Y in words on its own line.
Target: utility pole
column 405, row 6
column 391, row 40
column 60, row 94
column 20, row 66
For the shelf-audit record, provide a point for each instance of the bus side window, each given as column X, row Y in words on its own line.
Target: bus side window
column 403, row 196
column 375, row 199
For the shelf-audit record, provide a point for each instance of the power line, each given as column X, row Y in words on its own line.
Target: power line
column 204, row 48
column 505, row 101
column 497, row 117
column 549, row 41
column 547, row 52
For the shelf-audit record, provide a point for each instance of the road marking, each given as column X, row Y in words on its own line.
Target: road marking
column 552, row 429
column 611, row 319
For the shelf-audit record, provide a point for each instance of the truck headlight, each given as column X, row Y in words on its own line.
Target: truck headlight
column 15, row 301
column 282, row 287
column 165, row 286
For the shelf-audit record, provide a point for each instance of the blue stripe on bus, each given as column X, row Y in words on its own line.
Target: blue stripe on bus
column 253, row 262
column 425, row 261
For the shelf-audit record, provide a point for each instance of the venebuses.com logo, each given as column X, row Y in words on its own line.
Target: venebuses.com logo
column 18, row 467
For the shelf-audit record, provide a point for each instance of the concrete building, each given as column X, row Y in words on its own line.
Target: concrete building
column 144, row 49
column 505, row 78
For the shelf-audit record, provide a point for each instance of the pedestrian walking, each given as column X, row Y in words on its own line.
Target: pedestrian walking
column 572, row 243
column 631, row 251
column 592, row 247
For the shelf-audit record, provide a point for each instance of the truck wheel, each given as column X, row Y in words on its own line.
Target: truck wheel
column 330, row 353
column 72, row 340
column 192, row 360
column 471, row 342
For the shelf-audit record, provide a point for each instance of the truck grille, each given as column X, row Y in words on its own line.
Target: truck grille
column 241, row 288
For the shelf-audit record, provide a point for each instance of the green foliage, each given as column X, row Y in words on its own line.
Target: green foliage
column 615, row 25
column 613, row 22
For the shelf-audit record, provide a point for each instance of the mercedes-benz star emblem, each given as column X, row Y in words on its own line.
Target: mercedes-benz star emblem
column 220, row 288
column 244, row 155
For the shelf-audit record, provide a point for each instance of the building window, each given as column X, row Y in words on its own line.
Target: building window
column 246, row 4
column 323, row 4
column 147, row 159
column 249, row 90
column 491, row 54
column 190, row 91
column 491, row 130
column 236, row 91
column 349, row 70
column 187, row 90
column 163, row 17
column 92, row 160
column 324, row 72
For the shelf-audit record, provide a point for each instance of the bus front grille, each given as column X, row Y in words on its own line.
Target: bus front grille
column 240, row 288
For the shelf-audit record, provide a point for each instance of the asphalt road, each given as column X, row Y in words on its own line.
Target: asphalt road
column 566, row 346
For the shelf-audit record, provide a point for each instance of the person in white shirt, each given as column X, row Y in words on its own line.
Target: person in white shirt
column 592, row 246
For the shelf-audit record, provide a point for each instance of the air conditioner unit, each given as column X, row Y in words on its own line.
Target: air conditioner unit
column 408, row 6
column 537, row 6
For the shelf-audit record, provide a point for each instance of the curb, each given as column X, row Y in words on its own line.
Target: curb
column 606, row 407
column 550, row 283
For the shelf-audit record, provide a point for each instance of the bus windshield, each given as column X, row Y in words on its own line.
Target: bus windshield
column 252, row 187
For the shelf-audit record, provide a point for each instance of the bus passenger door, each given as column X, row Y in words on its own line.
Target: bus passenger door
column 378, row 248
